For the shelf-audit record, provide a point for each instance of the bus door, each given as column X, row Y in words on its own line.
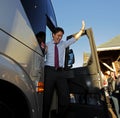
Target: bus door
column 84, row 78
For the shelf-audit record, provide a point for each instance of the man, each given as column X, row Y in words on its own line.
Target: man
column 118, row 81
column 41, row 40
column 53, row 71
column 114, row 93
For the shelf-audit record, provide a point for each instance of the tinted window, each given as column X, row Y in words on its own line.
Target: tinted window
column 82, row 52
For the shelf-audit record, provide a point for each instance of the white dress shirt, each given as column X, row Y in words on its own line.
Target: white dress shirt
column 62, row 45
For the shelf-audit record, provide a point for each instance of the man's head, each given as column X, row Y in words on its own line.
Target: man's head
column 41, row 37
column 57, row 34
column 112, row 73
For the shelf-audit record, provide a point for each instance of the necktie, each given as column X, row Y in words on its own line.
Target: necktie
column 56, row 60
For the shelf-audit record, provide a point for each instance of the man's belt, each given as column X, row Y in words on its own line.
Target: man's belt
column 53, row 68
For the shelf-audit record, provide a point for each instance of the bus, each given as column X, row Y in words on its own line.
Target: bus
column 21, row 57
column 22, row 65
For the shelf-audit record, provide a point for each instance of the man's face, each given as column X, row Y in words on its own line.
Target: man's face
column 57, row 37
column 113, row 75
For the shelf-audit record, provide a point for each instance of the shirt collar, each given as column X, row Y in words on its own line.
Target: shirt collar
column 58, row 43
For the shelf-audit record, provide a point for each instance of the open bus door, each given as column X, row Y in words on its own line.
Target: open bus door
column 88, row 98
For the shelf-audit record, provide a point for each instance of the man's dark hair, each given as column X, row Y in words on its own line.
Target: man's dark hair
column 57, row 29
column 41, row 37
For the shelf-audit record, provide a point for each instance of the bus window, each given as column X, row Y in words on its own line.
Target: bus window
column 81, row 51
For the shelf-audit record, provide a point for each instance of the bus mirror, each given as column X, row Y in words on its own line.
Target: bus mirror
column 71, row 58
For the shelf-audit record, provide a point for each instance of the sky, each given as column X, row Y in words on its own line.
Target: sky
column 101, row 15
